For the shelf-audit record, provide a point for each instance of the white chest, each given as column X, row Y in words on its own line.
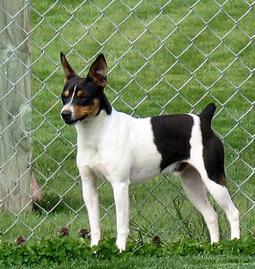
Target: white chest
column 124, row 149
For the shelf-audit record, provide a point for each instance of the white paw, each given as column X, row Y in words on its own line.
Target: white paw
column 235, row 236
column 215, row 239
column 121, row 244
column 94, row 240
column 235, row 233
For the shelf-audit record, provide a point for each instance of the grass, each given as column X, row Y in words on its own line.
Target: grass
column 190, row 262
column 66, row 253
column 207, row 262
column 147, row 64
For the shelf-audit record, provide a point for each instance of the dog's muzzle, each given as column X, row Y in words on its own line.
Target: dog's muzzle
column 67, row 116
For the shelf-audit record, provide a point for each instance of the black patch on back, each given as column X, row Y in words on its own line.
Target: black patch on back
column 171, row 137
column 213, row 152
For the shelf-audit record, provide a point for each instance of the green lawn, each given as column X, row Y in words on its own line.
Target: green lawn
column 170, row 76
column 203, row 262
column 69, row 253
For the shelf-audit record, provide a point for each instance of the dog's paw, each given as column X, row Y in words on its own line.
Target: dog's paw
column 121, row 245
column 121, row 248
column 95, row 238
column 94, row 243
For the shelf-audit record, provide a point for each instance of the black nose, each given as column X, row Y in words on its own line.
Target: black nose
column 66, row 115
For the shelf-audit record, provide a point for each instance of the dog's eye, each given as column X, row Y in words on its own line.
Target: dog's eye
column 86, row 101
column 64, row 98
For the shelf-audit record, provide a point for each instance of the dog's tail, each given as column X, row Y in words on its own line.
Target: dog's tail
column 208, row 112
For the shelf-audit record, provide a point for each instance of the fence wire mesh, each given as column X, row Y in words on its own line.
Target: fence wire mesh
column 164, row 57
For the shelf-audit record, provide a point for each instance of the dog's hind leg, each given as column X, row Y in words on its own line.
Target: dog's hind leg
column 222, row 197
column 215, row 184
column 196, row 193
column 212, row 173
column 207, row 156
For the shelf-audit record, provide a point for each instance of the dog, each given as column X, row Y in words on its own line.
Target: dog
column 123, row 149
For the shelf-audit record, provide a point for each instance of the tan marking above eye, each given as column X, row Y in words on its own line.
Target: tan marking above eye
column 66, row 93
column 80, row 94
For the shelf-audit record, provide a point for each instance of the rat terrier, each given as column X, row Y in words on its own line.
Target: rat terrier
column 123, row 149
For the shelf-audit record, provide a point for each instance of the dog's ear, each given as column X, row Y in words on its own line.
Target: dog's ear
column 98, row 71
column 68, row 70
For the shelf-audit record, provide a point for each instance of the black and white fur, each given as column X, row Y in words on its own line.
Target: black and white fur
column 124, row 150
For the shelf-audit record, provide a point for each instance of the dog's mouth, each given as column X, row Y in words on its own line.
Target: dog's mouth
column 73, row 122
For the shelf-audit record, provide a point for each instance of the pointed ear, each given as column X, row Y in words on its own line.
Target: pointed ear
column 68, row 70
column 98, row 71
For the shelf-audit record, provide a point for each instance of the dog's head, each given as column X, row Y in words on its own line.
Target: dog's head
column 83, row 98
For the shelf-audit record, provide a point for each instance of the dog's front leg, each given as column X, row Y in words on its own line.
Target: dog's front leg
column 90, row 196
column 121, row 197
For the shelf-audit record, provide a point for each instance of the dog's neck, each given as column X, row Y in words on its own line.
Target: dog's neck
column 92, row 131
column 93, row 126
column 97, row 122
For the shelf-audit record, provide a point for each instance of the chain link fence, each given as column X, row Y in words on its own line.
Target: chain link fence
column 163, row 57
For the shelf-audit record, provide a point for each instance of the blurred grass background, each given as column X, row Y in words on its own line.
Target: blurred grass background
column 172, row 58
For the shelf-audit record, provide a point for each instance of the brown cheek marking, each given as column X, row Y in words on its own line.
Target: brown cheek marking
column 81, row 111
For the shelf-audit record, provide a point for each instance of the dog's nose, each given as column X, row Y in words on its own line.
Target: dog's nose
column 66, row 115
